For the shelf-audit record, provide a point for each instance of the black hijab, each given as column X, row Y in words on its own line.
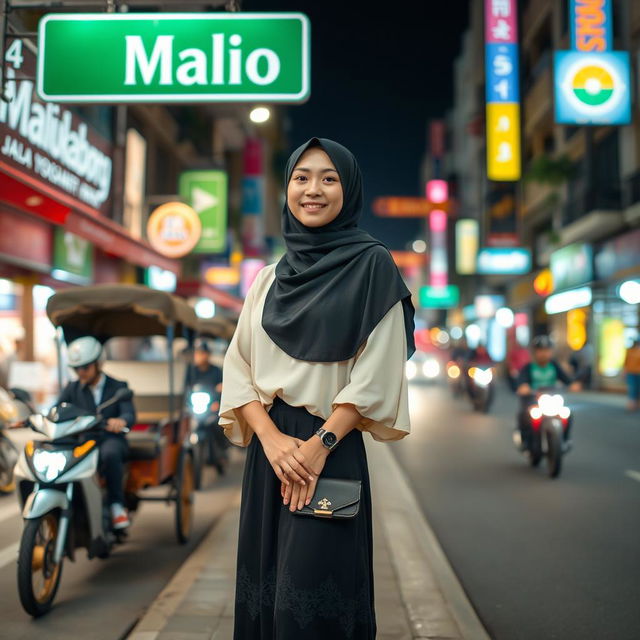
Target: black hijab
column 336, row 282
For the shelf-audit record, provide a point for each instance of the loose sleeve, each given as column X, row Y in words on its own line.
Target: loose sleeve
column 377, row 384
column 237, row 380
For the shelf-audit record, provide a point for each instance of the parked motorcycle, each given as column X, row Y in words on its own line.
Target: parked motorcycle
column 480, row 387
column 15, row 407
column 63, row 506
column 549, row 419
column 205, row 438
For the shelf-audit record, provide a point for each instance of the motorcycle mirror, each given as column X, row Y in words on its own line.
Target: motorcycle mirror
column 22, row 395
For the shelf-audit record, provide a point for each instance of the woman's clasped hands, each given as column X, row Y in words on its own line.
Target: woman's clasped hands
column 297, row 464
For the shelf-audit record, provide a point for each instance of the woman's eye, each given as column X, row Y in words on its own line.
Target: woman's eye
column 331, row 179
column 300, row 178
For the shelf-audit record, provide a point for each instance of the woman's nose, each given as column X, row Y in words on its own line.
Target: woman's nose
column 314, row 187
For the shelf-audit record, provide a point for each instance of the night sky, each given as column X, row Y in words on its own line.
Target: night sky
column 379, row 73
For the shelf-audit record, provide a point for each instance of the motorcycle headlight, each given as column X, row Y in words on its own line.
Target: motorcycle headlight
column 200, row 402
column 482, row 377
column 411, row 370
column 49, row 465
column 453, row 371
column 551, row 405
column 431, row 369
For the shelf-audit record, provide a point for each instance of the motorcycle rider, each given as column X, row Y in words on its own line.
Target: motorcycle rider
column 542, row 372
column 92, row 388
column 205, row 374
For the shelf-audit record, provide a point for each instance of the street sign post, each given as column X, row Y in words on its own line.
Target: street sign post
column 174, row 57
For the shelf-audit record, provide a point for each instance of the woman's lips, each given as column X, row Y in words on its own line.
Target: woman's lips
column 313, row 206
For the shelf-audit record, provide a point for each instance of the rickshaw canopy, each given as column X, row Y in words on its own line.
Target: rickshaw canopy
column 107, row 311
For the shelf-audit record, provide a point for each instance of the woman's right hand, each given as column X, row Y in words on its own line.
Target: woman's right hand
column 280, row 449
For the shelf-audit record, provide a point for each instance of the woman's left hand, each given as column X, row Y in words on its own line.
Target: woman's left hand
column 315, row 455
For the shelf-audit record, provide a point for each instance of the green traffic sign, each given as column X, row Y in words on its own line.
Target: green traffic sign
column 439, row 297
column 174, row 57
column 206, row 193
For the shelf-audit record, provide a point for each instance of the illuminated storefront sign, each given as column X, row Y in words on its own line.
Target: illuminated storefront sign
column 439, row 297
column 576, row 328
column 567, row 300
column 487, row 305
column 543, row 283
column 160, row 279
column 467, row 240
column 502, row 93
column 612, row 347
column 503, row 261
column 405, row 207
column 439, row 264
column 591, row 25
column 437, row 191
column 206, row 193
column 174, row 229
column 572, row 266
column 593, row 88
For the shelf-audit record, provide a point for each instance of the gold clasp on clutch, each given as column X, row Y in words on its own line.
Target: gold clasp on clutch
column 324, row 511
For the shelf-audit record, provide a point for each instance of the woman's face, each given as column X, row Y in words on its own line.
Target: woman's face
column 314, row 193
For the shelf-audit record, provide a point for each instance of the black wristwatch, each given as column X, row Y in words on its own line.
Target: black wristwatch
column 328, row 438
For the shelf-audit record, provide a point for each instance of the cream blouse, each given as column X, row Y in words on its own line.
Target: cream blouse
column 255, row 368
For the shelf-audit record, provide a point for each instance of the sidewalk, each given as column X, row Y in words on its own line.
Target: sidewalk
column 417, row 594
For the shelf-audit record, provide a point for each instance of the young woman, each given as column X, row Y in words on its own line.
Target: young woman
column 321, row 342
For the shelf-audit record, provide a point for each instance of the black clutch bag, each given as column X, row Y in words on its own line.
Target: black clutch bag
column 334, row 498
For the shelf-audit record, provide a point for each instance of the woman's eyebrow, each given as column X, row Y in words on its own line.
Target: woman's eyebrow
column 308, row 170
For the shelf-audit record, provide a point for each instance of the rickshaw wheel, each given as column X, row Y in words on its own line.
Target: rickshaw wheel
column 184, row 496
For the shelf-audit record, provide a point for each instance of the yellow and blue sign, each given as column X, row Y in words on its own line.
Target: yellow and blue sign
column 502, row 90
column 592, row 88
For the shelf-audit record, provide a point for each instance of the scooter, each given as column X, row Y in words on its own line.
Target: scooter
column 549, row 419
column 480, row 387
column 15, row 406
column 207, row 448
column 63, row 505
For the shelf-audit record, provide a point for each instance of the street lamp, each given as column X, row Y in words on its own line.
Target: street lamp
column 419, row 246
column 259, row 115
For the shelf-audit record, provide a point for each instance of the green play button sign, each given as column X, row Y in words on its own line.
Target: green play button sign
column 206, row 193
column 174, row 57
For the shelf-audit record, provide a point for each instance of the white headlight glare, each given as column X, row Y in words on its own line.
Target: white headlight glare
column 200, row 402
column 551, row 405
column 431, row 369
column 535, row 413
column 49, row 464
column 483, row 377
column 411, row 370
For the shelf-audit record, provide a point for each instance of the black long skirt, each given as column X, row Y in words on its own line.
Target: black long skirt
column 299, row 577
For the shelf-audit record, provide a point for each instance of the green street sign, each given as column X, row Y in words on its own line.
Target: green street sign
column 72, row 257
column 206, row 193
column 174, row 57
column 439, row 297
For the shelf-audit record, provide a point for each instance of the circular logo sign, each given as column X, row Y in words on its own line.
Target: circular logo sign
column 174, row 229
column 593, row 86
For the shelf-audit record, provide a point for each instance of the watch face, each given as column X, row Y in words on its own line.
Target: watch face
column 329, row 439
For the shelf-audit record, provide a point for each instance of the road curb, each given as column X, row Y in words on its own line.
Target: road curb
column 436, row 603
column 167, row 602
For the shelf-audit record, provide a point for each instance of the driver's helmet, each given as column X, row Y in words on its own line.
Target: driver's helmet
column 542, row 342
column 84, row 351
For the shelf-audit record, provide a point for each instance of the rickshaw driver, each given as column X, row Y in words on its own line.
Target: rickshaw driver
column 92, row 388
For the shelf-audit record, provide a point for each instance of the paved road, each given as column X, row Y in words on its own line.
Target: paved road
column 101, row 600
column 541, row 559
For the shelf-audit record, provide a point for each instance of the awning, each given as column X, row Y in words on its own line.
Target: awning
column 195, row 288
column 38, row 199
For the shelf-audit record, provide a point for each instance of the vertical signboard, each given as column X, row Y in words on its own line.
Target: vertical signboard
column 438, row 275
column 467, row 240
column 206, row 193
column 72, row 257
column 591, row 25
column 253, row 237
column 502, row 90
column 502, row 215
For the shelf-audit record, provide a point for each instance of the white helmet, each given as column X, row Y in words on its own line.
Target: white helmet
column 84, row 351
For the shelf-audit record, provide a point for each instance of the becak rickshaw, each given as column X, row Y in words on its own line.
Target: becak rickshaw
column 59, row 487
